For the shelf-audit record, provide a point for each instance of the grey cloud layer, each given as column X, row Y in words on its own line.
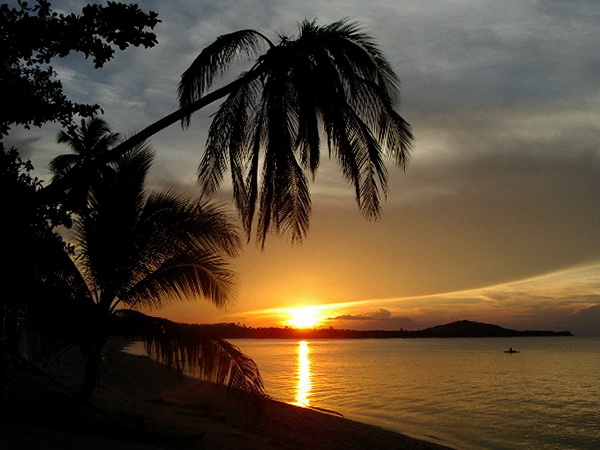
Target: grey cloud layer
column 504, row 101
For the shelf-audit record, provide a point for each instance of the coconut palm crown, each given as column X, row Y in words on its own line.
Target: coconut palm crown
column 330, row 82
column 92, row 138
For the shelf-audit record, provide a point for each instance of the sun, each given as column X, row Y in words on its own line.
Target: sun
column 306, row 317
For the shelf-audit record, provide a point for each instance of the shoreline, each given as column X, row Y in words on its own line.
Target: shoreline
column 142, row 404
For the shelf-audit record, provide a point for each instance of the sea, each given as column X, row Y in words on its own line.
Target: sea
column 464, row 393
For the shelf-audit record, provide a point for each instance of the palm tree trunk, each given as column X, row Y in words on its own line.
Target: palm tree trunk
column 58, row 186
column 90, row 374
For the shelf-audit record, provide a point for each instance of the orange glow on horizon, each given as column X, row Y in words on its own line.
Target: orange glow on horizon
column 305, row 317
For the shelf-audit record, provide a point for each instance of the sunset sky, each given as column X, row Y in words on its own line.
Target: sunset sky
column 497, row 216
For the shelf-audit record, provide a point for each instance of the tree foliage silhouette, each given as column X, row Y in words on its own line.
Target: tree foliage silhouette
column 328, row 87
column 134, row 248
column 91, row 138
column 27, row 228
column 268, row 130
column 32, row 35
column 330, row 80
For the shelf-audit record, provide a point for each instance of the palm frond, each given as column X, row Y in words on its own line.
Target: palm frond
column 341, row 146
column 251, row 183
column 285, row 202
column 170, row 249
column 92, row 137
column 285, row 197
column 188, row 348
column 62, row 164
column 214, row 60
column 293, row 214
column 173, row 224
column 88, row 141
column 397, row 135
column 373, row 173
column 211, row 227
column 332, row 80
column 184, row 277
column 105, row 231
column 226, row 143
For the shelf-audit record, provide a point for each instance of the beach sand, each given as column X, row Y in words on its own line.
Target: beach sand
column 142, row 404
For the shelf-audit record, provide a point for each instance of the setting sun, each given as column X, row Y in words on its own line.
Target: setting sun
column 306, row 317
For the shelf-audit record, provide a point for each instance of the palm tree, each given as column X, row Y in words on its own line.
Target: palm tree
column 136, row 249
column 267, row 131
column 92, row 138
column 330, row 80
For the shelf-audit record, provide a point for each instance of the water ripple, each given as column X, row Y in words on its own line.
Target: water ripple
column 466, row 392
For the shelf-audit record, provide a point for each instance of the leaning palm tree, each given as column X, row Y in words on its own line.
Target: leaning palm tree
column 135, row 249
column 330, row 81
column 268, row 130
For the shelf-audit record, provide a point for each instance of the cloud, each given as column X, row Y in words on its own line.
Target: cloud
column 374, row 319
column 381, row 314
column 502, row 184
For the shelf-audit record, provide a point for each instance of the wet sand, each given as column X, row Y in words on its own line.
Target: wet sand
column 142, row 404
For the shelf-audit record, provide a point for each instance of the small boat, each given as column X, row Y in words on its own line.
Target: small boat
column 511, row 350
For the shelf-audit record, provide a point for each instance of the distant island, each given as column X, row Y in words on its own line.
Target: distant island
column 468, row 328
column 458, row 329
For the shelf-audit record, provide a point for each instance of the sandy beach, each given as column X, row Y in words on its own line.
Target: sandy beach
column 142, row 404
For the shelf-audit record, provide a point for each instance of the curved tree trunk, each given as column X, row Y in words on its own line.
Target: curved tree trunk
column 90, row 374
column 58, row 186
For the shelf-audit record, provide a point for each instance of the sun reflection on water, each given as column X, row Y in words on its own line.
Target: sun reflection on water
column 303, row 375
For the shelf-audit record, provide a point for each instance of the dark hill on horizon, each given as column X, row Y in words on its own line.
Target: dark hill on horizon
column 458, row 329
column 468, row 328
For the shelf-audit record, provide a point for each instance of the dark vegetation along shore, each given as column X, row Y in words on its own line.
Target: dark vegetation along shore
column 458, row 329
column 94, row 238
column 141, row 404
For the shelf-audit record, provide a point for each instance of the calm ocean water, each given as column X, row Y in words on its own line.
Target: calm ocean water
column 465, row 393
